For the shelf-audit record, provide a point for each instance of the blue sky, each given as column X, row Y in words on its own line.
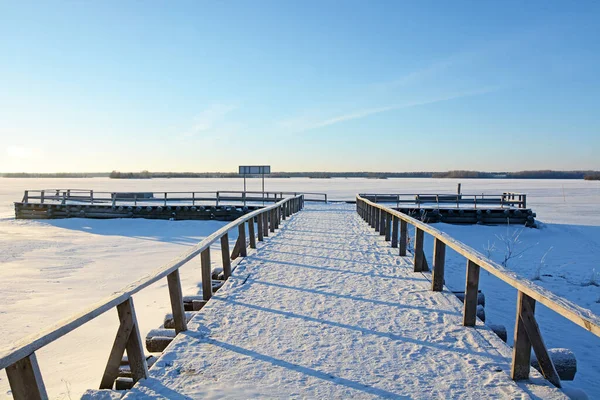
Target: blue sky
column 327, row 85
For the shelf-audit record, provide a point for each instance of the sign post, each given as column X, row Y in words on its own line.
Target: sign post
column 255, row 170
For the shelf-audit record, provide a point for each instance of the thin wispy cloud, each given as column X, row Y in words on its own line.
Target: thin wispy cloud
column 209, row 118
column 302, row 125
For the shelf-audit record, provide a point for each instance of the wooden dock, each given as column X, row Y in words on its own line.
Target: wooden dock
column 324, row 301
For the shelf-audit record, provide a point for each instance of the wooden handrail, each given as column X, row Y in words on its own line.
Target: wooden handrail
column 527, row 333
column 22, row 352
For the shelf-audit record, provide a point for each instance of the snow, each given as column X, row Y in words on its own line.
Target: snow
column 51, row 269
column 326, row 309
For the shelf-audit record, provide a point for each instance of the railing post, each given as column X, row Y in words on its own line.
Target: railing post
column 394, row 231
column 242, row 239
column 259, row 227
column 64, row 199
column 114, row 199
column 528, row 335
column 206, row 274
column 225, row 256
column 377, row 219
column 251, row 233
column 418, row 252
column 91, row 197
column 382, row 219
column 26, row 197
column 403, row 237
column 42, row 195
column 265, row 216
column 25, row 379
column 176, row 296
column 388, row 226
column 439, row 258
column 283, row 212
column 471, row 287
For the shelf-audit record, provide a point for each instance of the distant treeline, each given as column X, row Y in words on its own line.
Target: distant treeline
column 542, row 174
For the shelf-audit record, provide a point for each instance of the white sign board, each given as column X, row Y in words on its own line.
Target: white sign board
column 255, row 169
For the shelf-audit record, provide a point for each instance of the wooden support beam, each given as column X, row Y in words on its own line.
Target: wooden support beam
column 403, row 237
column 388, row 227
column 25, row 379
column 135, row 346
column 471, row 288
column 521, row 357
column 176, row 296
column 419, row 255
column 527, row 315
column 242, row 239
column 251, row 233
column 394, row 231
column 382, row 219
column 259, row 227
column 265, row 216
column 439, row 259
column 225, row 256
column 206, row 274
column 272, row 220
column 377, row 219
column 111, row 371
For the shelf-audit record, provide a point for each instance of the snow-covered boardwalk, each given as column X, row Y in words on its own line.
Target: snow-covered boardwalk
column 326, row 309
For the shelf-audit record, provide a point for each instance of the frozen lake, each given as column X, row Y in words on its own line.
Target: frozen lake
column 51, row 269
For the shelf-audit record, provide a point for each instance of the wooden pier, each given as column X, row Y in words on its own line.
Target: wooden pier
column 324, row 301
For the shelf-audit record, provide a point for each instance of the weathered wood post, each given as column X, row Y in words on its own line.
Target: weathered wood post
column 403, row 237
column 377, row 218
column 251, row 233
column 471, row 287
column 418, row 252
column 25, row 379
column 388, row 226
column 225, row 256
column 283, row 212
column 272, row 220
column 265, row 216
column 26, row 197
column 42, row 195
column 176, row 296
column 528, row 335
column 91, row 197
column 206, row 274
column 128, row 339
column 382, row 219
column 259, row 227
column 395, row 231
column 242, row 239
column 439, row 258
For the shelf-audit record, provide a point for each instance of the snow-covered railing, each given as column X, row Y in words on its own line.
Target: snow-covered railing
column 19, row 360
column 507, row 199
column 124, row 198
column 394, row 225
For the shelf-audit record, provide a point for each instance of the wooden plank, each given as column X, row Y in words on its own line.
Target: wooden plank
column 537, row 342
column 521, row 357
column 25, row 379
column 111, row 371
column 134, row 347
column 251, row 234
column 259, row 227
column 242, row 240
column 206, row 274
column 388, row 227
column 403, row 237
column 418, row 251
column 225, row 255
column 439, row 259
column 471, row 288
column 394, row 231
column 176, row 296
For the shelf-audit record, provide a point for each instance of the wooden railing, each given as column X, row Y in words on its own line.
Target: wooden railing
column 394, row 225
column 124, row 198
column 20, row 361
column 509, row 199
